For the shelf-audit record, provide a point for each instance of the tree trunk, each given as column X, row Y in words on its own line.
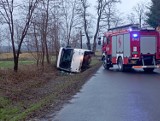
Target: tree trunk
column 85, row 24
column 15, row 64
column 94, row 44
column 43, row 54
column 89, row 45
column 46, row 29
column 47, row 53
column 95, row 36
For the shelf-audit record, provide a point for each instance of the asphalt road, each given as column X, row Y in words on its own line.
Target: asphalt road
column 115, row 96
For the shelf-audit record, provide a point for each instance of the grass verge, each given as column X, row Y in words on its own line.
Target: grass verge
column 32, row 94
column 10, row 64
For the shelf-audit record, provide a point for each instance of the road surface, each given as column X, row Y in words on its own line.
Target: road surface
column 115, row 96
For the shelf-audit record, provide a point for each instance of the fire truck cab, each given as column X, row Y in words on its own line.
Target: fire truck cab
column 131, row 47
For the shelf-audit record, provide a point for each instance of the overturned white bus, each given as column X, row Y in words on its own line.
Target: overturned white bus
column 73, row 60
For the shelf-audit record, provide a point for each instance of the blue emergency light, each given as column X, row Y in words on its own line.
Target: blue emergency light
column 135, row 35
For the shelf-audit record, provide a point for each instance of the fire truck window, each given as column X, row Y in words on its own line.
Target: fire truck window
column 104, row 40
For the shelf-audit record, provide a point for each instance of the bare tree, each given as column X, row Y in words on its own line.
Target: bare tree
column 140, row 11
column 33, row 41
column 85, row 21
column 131, row 18
column 38, row 34
column 54, row 35
column 118, row 19
column 101, row 5
column 7, row 8
column 110, row 18
column 55, row 27
column 108, row 13
column 45, row 28
column 70, row 17
column 44, row 31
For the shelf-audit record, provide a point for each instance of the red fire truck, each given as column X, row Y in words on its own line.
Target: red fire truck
column 131, row 47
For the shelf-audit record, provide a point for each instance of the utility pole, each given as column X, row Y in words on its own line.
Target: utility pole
column 81, row 39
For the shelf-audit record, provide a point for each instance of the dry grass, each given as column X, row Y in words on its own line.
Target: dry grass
column 9, row 56
column 15, row 84
column 33, row 88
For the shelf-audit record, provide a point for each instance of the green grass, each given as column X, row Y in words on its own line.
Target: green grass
column 10, row 112
column 10, row 64
column 7, row 111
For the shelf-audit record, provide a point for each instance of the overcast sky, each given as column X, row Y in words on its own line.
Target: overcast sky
column 125, row 6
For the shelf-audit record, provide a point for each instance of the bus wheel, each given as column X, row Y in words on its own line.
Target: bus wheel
column 148, row 69
column 120, row 64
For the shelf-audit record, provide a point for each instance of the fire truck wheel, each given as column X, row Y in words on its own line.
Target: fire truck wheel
column 103, row 57
column 148, row 69
column 120, row 64
column 105, row 65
